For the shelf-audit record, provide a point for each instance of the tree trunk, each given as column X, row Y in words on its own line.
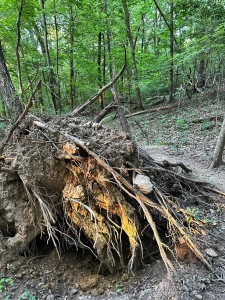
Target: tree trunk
column 18, row 45
column 72, row 87
column 171, row 89
column 52, row 80
column 101, row 100
column 57, row 51
column 218, row 152
column 201, row 74
column 8, row 91
column 131, row 43
column 116, row 100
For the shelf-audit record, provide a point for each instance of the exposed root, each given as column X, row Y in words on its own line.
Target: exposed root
column 80, row 189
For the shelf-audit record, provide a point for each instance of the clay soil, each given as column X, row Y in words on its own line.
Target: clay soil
column 171, row 135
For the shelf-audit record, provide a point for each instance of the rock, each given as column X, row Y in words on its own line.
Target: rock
column 143, row 183
column 50, row 297
column 94, row 292
column 198, row 296
column 211, row 252
column 185, row 288
column 73, row 292
column 194, row 292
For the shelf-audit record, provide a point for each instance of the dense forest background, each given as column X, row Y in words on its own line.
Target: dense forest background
column 172, row 48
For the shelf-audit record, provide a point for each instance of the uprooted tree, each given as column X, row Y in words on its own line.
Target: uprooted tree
column 75, row 182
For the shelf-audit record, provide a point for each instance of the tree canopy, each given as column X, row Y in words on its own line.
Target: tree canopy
column 64, row 43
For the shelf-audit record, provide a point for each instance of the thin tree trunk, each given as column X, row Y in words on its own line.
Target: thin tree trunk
column 218, row 152
column 72, row 88
column 167, row 24
column 156, row 38
column 57, row 51
column 7, row 90
column 52, row 80
column 143, row 33
column 18, row 45
column 104, row 61
column 201, row 74
column 131, row 43
column 120, row 110
column 171, row 90
column 4, row 114
column 99, row 69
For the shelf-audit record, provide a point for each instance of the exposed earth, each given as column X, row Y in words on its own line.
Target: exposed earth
column 171, row 135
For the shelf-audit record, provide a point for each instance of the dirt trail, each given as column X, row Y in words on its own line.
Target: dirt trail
column 200, row 168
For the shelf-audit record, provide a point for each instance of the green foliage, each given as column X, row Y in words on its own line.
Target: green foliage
column 4, row 283
column 205, row 125
column 26, row 295
column 180, row 124
column 118, row 288
column 206, row 280
column 193, row 212
column 198, row 30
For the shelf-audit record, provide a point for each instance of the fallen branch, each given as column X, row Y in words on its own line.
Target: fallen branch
column 173, row 173
column 214, row 190
column 142, row 112
column 97, row 95
column 104, row 112
column 167, row 164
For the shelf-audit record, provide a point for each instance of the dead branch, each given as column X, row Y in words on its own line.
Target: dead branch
column 104, row 112
column 214, row 190
column 167, row 164
column 97, row 95
column 152, row 110
column 174, row 174
column 19, row 120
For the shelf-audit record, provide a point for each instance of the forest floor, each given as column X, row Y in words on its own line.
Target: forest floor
column 182, row 134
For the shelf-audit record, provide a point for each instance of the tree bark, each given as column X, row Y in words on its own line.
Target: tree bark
column 104, row 112
column 101, row 101
column 218, row 152
column 57, row 52
column 72, row 87
column 18, row 23
column 52, row 80
column 171, row 89
column 8, row 91
column 120, row 110
column 131, row 43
